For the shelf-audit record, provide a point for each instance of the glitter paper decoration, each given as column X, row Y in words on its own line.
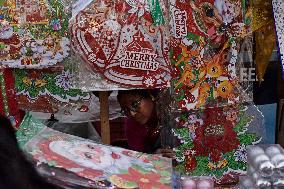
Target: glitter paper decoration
column 33, row 34
column 213, row 125
column 8, row 104
column 278, row 10
column 125, row 41
column 88, row 80
column 213, row 141
column 48, row 89
column 264, row 32
column 120, row 167
column 204, row 51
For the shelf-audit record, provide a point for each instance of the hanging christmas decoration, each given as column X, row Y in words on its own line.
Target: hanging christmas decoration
column 265, row 37
column 213, row 141
column 125, row 41
column 119, row 167
column 204, row 51
column 8, row 104
column 33, row 34
column 278, row 8
column 47, row 90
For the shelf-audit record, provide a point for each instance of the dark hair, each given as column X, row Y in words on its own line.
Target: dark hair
column 15, row 170
column 146, row 93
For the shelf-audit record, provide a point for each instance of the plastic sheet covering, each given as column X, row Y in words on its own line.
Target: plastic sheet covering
column 75, row 116
column 211, row 114
column 124, row 41
column 49, row 90
column 212, row 141
column 245, row 69
column 83, row 130
column 103, row 166
column 88, row 80
column 205, row 45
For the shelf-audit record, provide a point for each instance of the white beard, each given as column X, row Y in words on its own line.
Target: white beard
column 66, row 149
column 7, row 33
column 107, row 163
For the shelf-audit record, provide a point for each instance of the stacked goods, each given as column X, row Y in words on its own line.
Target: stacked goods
column 265, row 168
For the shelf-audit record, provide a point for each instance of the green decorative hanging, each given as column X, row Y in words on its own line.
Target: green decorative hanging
column 156, row 12
column 4, row 95
column 28, row 129
column 2, row 2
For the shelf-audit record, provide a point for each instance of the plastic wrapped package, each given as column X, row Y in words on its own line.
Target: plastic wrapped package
column 8, row 104
column 124, row 41
column 99, row 164
column 278, row 7
column 245, row 182
column 34, row 34
column 49, row 90
column 265, row 167
column 82, row 129
column 205, row 45
column 245, row 68
column 212, row 141
column 196, row 182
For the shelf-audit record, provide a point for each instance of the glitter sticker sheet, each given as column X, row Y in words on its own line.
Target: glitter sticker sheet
column 125, row 41
column 120, row 167
column 33, row 34
column 204, row 51
column 8, row 104
column 213, row 141
column 48, row 90
column 278, row 10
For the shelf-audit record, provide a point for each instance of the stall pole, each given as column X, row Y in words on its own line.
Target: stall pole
column 104, row 113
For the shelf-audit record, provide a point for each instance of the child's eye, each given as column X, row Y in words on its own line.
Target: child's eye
column 135, row 105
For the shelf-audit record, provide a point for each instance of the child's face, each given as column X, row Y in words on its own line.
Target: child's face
column 136, row 107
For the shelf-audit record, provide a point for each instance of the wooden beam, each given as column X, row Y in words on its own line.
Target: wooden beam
column 104, row 113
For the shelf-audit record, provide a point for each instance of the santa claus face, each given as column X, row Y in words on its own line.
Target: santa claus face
column 83, row 153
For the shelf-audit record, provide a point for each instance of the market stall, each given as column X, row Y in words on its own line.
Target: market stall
column 64, row 61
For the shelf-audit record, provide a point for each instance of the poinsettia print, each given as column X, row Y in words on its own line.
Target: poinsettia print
column 218, row 136
column 138, row 7
column 121, row 167
column 144, row 180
